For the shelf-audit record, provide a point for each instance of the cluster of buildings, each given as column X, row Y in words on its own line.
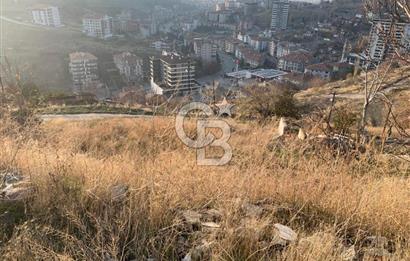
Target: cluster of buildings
column 260, row 52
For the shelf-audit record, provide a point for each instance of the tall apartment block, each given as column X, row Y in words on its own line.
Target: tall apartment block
column 280, row 15
column 172, row 74
column 385, row 38
column 46, row 15
column 84, row 70
column 206, row 50
column 130, row 66
column 98, row 26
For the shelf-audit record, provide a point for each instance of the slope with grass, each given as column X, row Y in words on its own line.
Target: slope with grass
column 76, row 168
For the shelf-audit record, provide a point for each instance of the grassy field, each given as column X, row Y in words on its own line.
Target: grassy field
column 333, row 203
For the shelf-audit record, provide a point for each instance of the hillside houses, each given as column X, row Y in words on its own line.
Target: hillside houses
column 295, row 62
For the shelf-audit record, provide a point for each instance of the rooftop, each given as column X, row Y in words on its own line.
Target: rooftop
column 298, row 57
column 128, row 57
column 266, row 74
column 328, row 67
column 81, row 56
column 174, row 59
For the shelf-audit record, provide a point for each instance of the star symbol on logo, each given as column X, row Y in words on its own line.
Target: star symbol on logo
column 224, row 108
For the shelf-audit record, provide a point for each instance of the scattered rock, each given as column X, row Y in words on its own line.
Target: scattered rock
column 349, row 254
column 119, row 193
column 302, row 135
column 252, row 210
column 12, row 193
column 210, row 225
column 10, row 178
column 284, row 235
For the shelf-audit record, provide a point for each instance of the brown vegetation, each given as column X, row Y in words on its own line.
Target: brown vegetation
column 76, row 168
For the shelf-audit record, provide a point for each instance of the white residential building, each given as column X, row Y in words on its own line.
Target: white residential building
column 84, row 70
column 130, row 66
column 280, row 15
column 46, row 15
column 385, row 38
column 206, row 50
column 98, row 26
column 173, row 74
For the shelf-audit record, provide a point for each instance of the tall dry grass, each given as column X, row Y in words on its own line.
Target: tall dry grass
column 331, row 202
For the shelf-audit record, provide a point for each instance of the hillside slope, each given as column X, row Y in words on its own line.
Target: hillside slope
column 128, row 189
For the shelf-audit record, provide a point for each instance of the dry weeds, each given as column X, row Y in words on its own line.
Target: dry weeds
column 332, row 203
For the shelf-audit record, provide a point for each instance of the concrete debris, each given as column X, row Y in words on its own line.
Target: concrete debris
column 16, row 193
column 282, row 127
column 284, row 235
column 15, row 187
column 210, row 225
column 10, row 178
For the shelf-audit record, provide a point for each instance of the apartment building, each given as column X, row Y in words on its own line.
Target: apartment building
column 280, row 15
column 84, row 70
column 172, row 74
column 205, row 50
column 295, row 62
column 46, row 15
column 130, row 66
column 386, row 37
column 98, row 26
column 329, row 71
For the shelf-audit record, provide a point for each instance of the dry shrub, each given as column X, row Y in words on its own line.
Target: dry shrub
column 74, row 166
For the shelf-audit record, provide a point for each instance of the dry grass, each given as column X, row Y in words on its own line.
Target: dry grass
column 330, row 202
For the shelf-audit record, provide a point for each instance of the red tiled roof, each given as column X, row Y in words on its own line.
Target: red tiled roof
column 298, row 57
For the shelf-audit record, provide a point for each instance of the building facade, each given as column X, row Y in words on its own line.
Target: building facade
column 329, row 71
column 84, row 70
column 98, row 26
column 295, row 62
column 172, row 74
column 46, row 15
column 385, row 38
column 280, row 15
column 130, row 66
column 205, row 50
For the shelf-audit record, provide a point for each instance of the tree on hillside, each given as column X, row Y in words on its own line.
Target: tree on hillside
column 264, row 102
column 376, row 73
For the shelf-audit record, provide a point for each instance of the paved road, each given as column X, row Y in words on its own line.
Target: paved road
column 227, row 62
column 400, row 85
column 3, row 18
column 89, row 116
